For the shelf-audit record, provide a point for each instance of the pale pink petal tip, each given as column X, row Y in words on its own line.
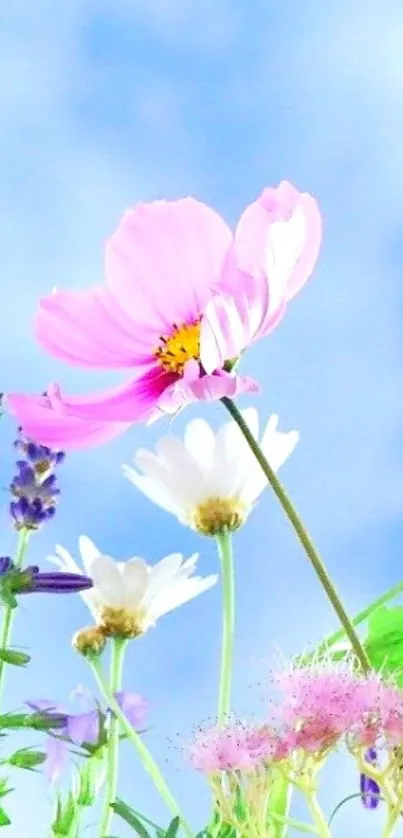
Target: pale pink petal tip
column 49, row 423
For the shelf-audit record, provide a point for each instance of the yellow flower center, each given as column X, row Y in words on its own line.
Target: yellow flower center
column 217, row 515
column 121, row 622
column 182, row 346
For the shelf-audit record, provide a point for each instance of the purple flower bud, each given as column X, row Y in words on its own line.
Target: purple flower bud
column 53, row 583
column 370, row 791
column 5, row 564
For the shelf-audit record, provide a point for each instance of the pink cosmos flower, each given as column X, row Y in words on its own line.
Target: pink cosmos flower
column 232, row 748
column 184, row 298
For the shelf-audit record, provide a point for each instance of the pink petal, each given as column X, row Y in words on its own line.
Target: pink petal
column 163, row 258
column 205, row 388
column 57, row 428
column 279, row 235
column 90, row 329
column 231, row 321
column 129, row 402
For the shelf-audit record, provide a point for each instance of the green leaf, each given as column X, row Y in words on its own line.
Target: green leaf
column 27, row 758
column 173, row 828
column 384, row 643
column 127, row 814
column 4, row 819
column 66, row 817
column 340, row 634
column 14, row 657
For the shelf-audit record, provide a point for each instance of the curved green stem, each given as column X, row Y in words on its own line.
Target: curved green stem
column 303, row 536
column 115, row 682
column 224, row 545
column 147, row 760
column 8, row 615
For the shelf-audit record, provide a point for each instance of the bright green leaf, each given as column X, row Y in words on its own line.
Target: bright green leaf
column 14, row 657
column 27, row 758
column 4, row 819
column 127, row 814
column 384, row 643
column 173, row 828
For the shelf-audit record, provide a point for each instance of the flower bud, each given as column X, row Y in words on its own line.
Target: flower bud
column 90, row 641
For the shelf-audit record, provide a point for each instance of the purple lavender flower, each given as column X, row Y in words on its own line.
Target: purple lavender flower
column 34, row 486
column 369, row 788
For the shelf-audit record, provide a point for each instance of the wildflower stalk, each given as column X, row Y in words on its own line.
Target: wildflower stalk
column 303, row 536
column 318, row 817
column 224, row 545
column 112, row 754
column 147, row 760
column 8, row 614
column 280, row 803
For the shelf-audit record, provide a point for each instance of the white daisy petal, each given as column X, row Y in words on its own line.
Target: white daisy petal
column 108, row 581
column 173, row 596
column 185, row 476
column 199, row 440
column 89, row 552
column 161, row 574
column 158, row 492
column 135, row 581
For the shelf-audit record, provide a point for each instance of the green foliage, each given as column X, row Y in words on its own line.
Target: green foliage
column 14, row 657
column 4, row 819
column 66, row 817
column 384, row 642
column 89, row 778
column 173, row 828
column 27, row 758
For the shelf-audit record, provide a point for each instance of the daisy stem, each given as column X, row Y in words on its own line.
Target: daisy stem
column 303, row 536
column 147, row 760
column 224, row 546
column 8, row 614
column 115, row 682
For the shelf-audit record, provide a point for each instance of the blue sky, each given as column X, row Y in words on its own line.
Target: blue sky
column 106, row 103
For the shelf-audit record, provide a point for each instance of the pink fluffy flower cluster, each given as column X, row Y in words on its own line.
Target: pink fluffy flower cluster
column 184, row 298
column 320, row 707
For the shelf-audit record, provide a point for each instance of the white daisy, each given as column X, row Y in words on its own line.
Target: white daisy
column 128, row 597
column 210, row 481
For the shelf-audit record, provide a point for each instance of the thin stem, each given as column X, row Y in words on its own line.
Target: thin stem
column 8, row 615
column 303, row 536
column 224, row 545
column 279, row 804
column 115, row 682
column 318, row 816
column 147, row 760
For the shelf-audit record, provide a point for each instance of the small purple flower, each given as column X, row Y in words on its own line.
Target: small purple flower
column 369, row 788
column 81, row 729
column 34, row 486
column 78, row 728
column 134, row 706
column 5, row 564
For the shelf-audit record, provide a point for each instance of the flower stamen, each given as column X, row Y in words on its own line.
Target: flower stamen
column 181, row 346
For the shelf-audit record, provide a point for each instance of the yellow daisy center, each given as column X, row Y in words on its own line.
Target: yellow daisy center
column 217, row 515
column 121, row 622
column 181, row 346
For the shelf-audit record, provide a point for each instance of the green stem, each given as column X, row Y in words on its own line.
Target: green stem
column 318, row 816
column 303, row 536
column 224, row 545
column 147, row 760
column 115, row 682
column 279, row 805
column 8, row 615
